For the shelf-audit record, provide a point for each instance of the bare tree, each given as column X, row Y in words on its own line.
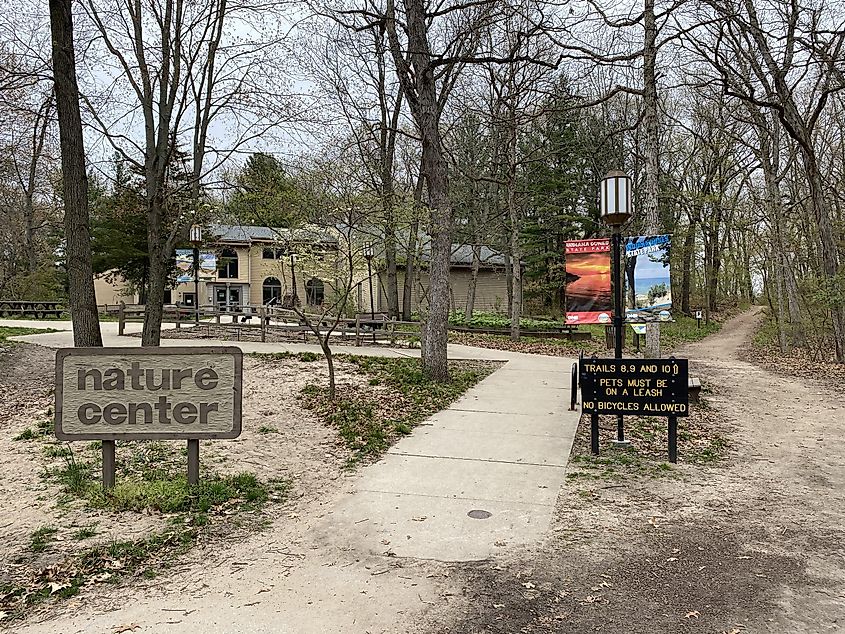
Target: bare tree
column 773, row 67
column 430, row 45
column 355, row 69
column 82, row 301
column 179, row 69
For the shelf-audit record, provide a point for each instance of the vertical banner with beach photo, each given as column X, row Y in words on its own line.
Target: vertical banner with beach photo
column 648, row 284
column 588, row 296
column 185, row 265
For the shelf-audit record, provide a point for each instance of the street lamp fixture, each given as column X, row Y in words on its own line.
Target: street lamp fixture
column 615, row 202
column 195, row 236
column 616, row 207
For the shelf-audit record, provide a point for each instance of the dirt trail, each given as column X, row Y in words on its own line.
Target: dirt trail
column 790, row 474
column 754, row 544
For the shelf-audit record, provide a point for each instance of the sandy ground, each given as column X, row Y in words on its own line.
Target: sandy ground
column 280, row 440
column 754, row 544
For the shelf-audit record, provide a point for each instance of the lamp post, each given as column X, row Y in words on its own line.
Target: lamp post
column 293, row 298
column 615, row 204
column 196, row 240
column 368, row 254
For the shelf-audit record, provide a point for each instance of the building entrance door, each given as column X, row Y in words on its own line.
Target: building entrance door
column 227, row 298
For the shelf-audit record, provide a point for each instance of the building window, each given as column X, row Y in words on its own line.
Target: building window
column 315, row 292
column 228, row 266
column 189, row 299
column 271, row 291
column 272, row 254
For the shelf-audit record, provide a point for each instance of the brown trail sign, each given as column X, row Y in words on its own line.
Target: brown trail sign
column 114, row 394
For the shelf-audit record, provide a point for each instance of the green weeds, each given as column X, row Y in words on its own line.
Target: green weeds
column 368, row 420
column 41, row 537
column 305, row 357
column 85, row 532
column 14, row 331
column 26, row 434
column 700, row 442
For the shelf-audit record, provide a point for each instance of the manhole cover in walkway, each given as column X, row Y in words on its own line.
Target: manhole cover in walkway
column 479, row 514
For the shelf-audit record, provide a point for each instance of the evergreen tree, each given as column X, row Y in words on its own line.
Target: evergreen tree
column 265, row 194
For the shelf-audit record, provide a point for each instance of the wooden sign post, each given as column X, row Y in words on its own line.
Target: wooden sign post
column 112, row 394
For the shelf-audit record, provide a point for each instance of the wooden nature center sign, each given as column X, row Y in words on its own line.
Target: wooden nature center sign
column 114, row 394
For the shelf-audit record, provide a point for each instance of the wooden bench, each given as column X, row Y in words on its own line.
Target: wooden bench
column 35, row 308
column 694, row 390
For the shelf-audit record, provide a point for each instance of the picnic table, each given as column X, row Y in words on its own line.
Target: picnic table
column 36, row 308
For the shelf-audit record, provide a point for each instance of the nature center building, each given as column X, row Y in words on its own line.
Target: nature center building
column 244, row 265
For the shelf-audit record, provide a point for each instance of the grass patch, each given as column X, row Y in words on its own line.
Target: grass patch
column 175, row 495
column 108, row 562
column 145, row 482
column 41, row 537
column 306, row 357
column 161, row 490
column 57, row 450
column 26, row 434
column 43, row 428
column 369, row 420
column 672, row 335
column 15, row 331
column 76, row 477
column 85, row 532
column 265, row 429
column 702, row 441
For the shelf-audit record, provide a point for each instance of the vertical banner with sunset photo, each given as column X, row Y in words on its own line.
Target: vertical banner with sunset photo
column 588, row 296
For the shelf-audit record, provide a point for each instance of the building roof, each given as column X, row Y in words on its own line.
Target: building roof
column 247, row 234
column 251, row 233
column 462, row 255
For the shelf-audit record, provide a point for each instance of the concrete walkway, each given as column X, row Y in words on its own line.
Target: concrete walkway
column 501, row 449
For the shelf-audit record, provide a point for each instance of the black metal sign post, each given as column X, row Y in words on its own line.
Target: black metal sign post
column 636, row 387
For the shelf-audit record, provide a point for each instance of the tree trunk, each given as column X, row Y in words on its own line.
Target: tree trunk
column 686, row 271
column 830, row 266
column 39, row 134
column 156, row 278
column 509, row 280
column 324, row 346
column 781, row 319
column 793, row 306
column 392, row 289
column 516, row 267
column 29, row 233
column 652, row 140
column 652, row 149
column 426, row 111
column 410, row 273
column 473, row 281
column 82, row 299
